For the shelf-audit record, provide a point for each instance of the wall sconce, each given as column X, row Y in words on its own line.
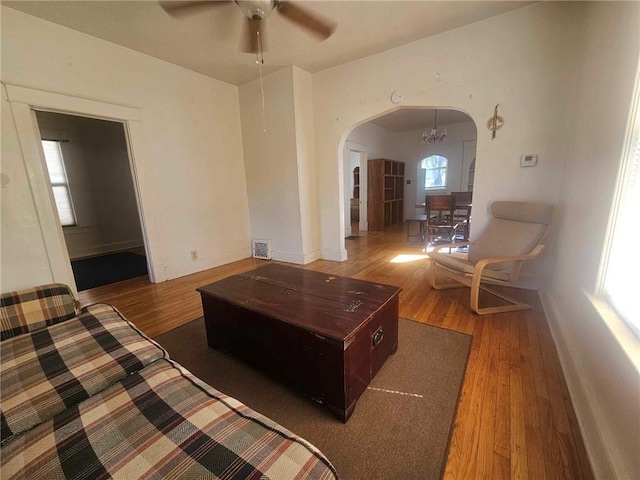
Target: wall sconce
column 495, row 123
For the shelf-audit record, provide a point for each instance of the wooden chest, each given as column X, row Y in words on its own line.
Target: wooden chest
column 324, row 335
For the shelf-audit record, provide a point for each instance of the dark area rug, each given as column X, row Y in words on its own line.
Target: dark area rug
column 105, row 269
column 402, row 424
column 352, row 237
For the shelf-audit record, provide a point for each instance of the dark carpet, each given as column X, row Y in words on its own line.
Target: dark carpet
column 352, row 237
column 401, row 426
column 105, row 269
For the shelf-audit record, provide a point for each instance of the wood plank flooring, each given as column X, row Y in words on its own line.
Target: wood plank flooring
column 515, row 418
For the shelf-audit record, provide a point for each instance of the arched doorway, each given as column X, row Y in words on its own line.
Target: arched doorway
column 401, row 136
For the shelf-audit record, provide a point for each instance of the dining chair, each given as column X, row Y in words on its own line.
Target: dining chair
column 440, row 221
column 462, row 213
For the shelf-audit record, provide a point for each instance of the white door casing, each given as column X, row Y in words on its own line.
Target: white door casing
column 23, row 102
column 362, row 151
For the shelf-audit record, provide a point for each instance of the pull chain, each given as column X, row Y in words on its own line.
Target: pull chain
column 260, row 62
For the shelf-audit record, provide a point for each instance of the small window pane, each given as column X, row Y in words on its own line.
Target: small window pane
column 63, row 203
column 53, row 156
column 59, row 182
column 435, row 175
column 436, row 178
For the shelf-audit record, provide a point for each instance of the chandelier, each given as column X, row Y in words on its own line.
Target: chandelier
column 433, row 136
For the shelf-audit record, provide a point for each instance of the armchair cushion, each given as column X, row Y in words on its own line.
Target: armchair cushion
column 506, row 238
column 516, row 228
column 523, row 211
column 32, row 309
column 462, row 264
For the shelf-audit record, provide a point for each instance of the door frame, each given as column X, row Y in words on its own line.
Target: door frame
column 24, row 102
column 360, row 149
column 469, row 149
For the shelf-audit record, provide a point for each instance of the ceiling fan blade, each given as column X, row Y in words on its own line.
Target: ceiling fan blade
column 321, row 27
column 181, row 8
column 253, row 36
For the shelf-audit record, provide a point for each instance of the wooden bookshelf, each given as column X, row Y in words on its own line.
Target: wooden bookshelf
column 385, row 201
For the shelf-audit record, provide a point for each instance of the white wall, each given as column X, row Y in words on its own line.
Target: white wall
column 191, row 154
column 379, row 142
column 525, row 60
column 97, row 165
column 271, row 163
column 306, row 160
column 280, row 163
column 600, row 356
column 23, row 258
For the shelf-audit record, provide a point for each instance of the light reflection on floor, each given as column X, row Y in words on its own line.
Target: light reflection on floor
column 404, row 258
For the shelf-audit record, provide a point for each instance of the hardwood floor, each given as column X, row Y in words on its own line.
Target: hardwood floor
column 515, row 418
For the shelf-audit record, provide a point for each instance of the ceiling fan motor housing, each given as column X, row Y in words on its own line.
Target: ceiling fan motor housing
column 256, row 9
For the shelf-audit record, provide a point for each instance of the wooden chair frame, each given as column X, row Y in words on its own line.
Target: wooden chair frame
column 445, row 216
column 475, row 280
column 463, row 219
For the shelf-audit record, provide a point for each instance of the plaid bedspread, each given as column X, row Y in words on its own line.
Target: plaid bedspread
column 49, row 370
column 162, row 422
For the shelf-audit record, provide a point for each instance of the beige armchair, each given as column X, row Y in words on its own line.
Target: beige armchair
column 514, row 235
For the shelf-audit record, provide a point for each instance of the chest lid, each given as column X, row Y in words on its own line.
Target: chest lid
column 329, row 305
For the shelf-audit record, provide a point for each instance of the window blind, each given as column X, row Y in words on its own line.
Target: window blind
column 621, row 276
column 59, row 182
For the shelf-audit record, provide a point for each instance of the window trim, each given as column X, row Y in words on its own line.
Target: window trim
column 631, row 138
column 446, row 173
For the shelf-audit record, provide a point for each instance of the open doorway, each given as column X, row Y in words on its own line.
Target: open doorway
column 422, row 152
column 355, row 192
column 92, row 184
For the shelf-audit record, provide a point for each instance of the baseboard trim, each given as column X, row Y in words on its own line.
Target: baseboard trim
column 580, row 390
column 288, row 257
column 334, row 255
column 108, row 248
column 311, row 256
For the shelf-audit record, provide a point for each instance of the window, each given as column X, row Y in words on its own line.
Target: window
column 435, row 172
column 59, row 182
column 622, row 262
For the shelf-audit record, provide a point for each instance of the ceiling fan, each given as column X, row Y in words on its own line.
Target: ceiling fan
column 256, row 11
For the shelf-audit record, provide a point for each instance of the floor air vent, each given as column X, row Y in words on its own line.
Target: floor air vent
column 261, row 249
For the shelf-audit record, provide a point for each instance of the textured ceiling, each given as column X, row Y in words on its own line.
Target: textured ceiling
column 209, row 41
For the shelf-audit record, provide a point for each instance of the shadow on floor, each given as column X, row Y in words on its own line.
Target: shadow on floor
column 105, row 269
